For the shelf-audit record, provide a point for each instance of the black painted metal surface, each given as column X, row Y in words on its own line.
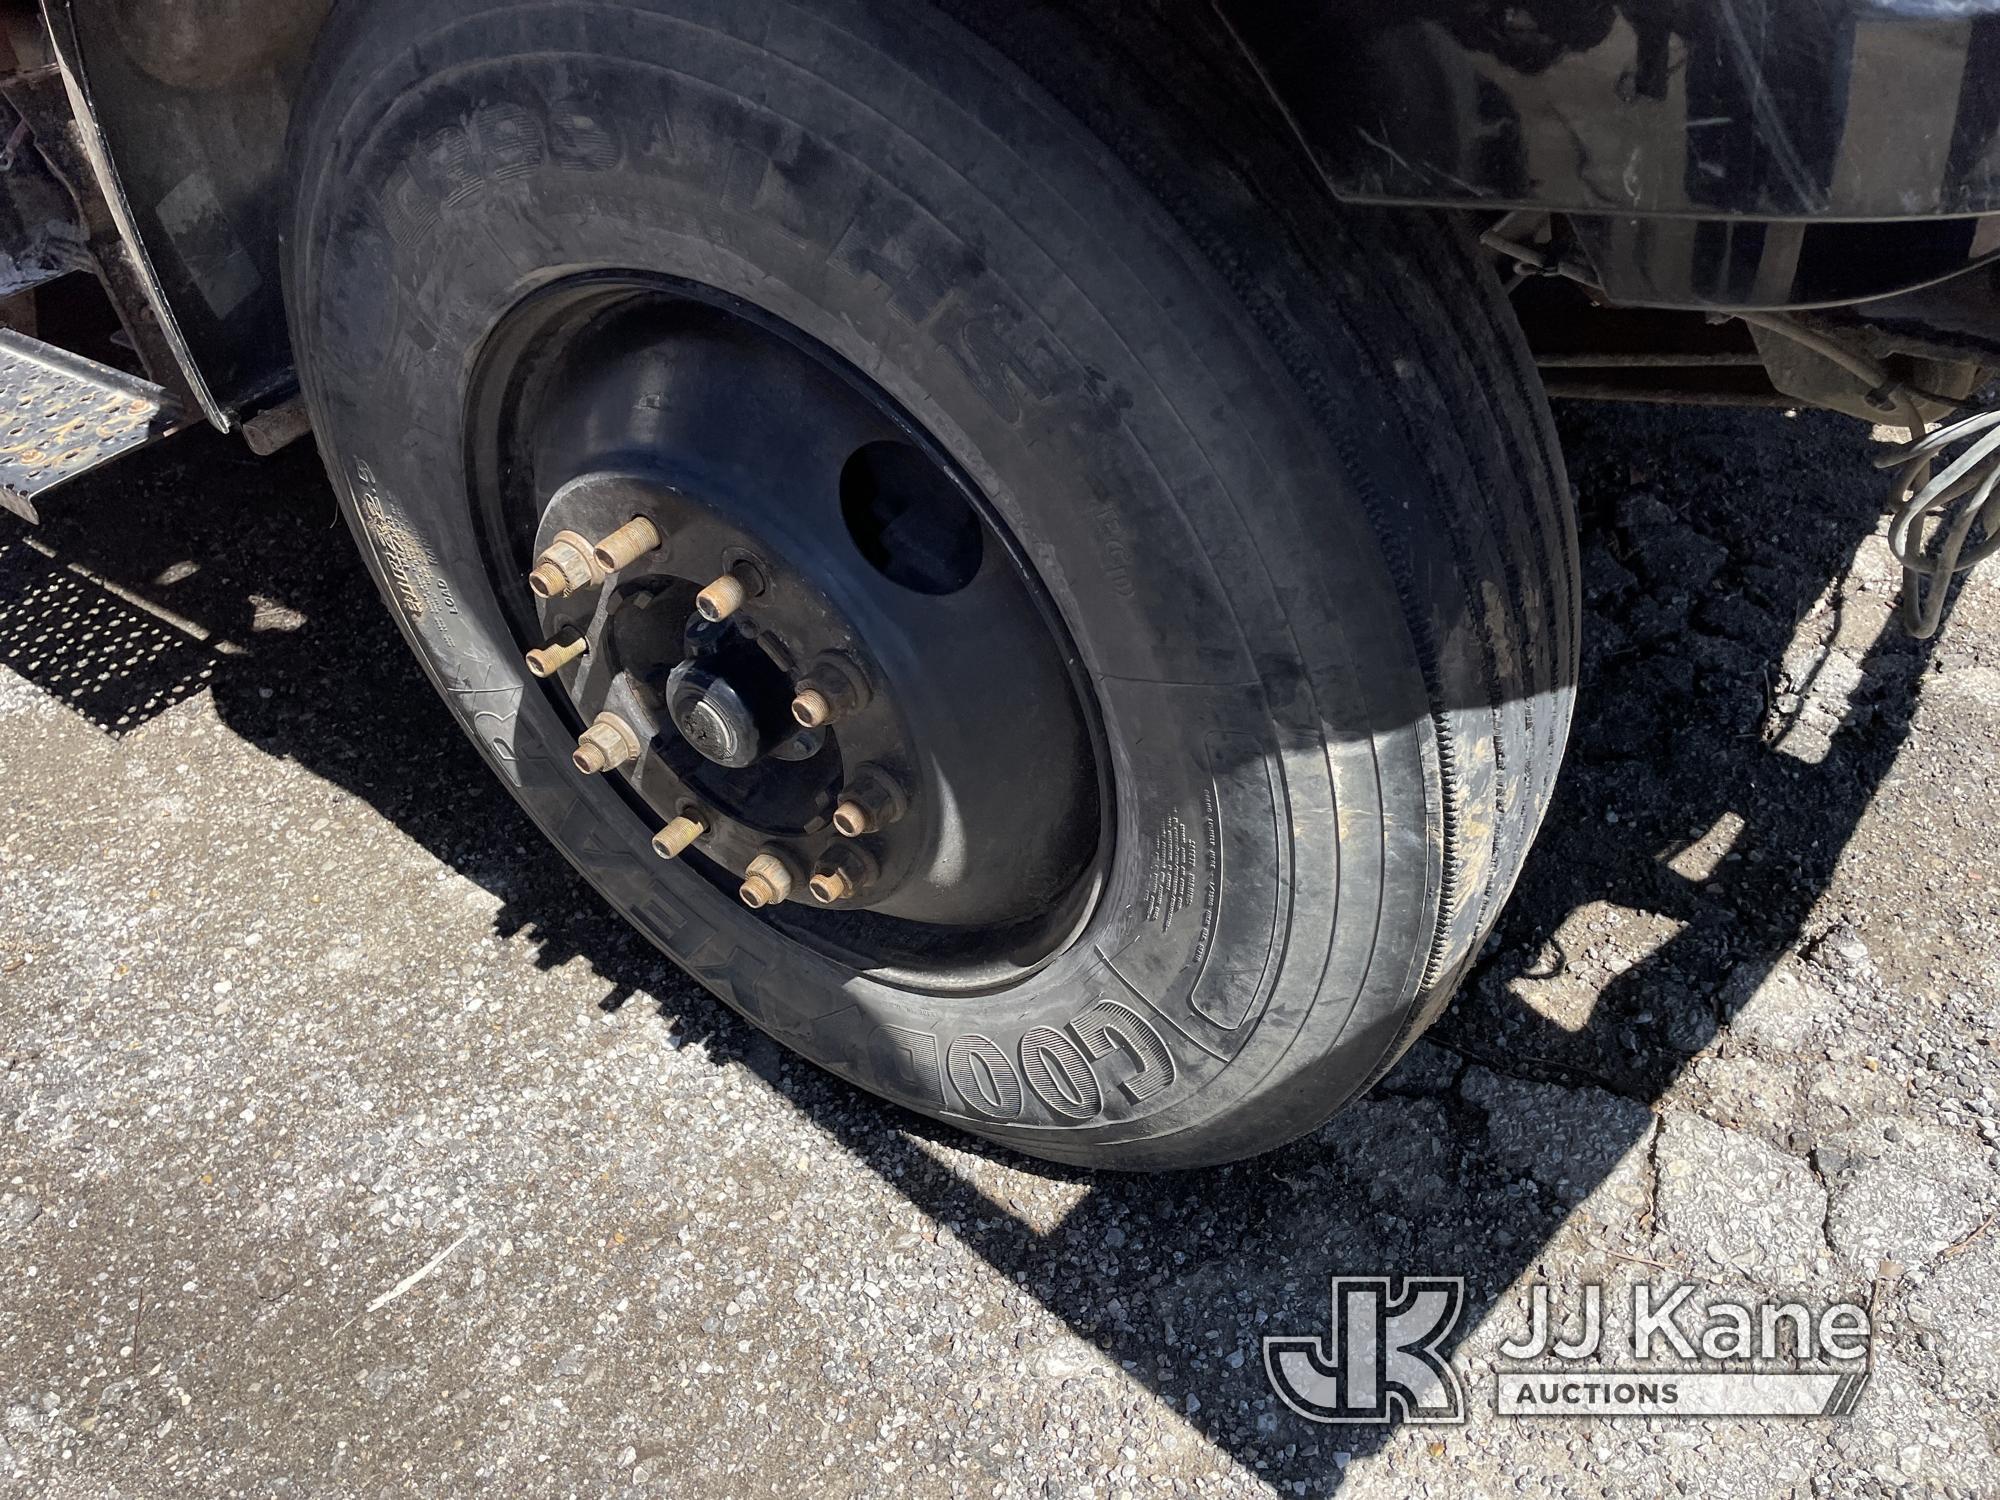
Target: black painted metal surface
column 1867, row 132
column 756, row 452
column 1867, row 109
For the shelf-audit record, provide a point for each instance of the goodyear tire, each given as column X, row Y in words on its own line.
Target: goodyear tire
column 1283, row 466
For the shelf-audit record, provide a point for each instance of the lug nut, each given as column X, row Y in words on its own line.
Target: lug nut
column 829, row 886
column 606, row 745
column 834, row 688
column 766, row 882
column 721, row 599
column 844, row 871
column 627, row 544
column 564, row 566
column 672, row 841
column 872, row 800
column 546, row 661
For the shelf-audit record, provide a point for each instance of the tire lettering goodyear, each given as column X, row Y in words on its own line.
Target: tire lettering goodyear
column 1061, row 1066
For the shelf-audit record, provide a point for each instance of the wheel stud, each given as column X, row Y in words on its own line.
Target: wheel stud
column 627, row 544
column 833, row 689
column 564, row 566
column 829, row 886
column 812, row 708
column 606, row 745
column 766, row 881
column 672, row 841
column 843, row 874
column 546, row 661
column 871, row 801
column 721, row 599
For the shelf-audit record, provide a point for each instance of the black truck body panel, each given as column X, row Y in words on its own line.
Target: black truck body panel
column 1766, row 109
column 1711, row 153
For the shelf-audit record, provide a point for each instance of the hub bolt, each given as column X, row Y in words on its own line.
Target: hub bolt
column 721, row 599
column 672, row 841
column 627, row 544
column 843, row 874
column 766, row 881
column 565, row 566
column 546, row 661
column 834, row 688
column 606, row 745
column 872, row 800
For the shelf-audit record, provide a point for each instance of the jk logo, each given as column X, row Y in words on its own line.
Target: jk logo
column 1382, row 1359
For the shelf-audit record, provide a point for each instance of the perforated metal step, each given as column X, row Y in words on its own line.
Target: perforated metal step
column 62, row 415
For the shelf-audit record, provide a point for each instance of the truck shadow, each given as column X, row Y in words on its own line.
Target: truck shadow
column 1705, row 803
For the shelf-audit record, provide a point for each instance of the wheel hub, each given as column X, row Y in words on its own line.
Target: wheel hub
column 844, row 684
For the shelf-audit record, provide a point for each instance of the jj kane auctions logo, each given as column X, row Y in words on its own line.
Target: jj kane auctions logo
column 1384, row 1357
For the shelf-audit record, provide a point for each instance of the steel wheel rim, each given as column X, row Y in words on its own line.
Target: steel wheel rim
column 640, row 339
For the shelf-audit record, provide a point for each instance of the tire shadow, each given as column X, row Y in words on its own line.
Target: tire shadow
column 1704, row 806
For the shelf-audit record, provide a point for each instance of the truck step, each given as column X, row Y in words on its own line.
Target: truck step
column 62, row 415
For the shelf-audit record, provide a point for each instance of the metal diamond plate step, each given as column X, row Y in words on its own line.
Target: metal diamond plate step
column 62, row 415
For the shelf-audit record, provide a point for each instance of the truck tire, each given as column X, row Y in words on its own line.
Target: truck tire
column 1208, row 807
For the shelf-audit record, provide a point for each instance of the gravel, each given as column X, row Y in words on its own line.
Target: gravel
column 354, row 1148
column 1779, row 1011
column 1746, row 1206
column 1908, row 1201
